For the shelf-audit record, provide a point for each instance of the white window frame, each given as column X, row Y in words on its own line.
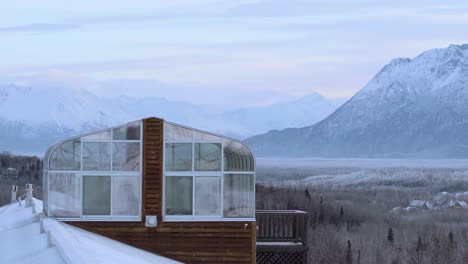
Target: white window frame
column 194, row 174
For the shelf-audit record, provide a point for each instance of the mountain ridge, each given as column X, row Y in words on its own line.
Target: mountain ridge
column 411, row 108
column 31, row 118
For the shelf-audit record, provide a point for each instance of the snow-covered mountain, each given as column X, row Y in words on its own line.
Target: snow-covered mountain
column 32, row 118
column 411, row 108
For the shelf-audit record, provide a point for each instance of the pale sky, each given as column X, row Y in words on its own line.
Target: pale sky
column 216, row 51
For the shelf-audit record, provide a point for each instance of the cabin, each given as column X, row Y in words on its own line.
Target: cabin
column 179, row 192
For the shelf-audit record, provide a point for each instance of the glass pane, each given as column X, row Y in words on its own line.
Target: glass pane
column 178, row 157
column 126, row 156
column 200, row 136
column 237, row 157
column 45, row 194
column 208, row 157
column 66, row 156
column 173, row 132
column 125, row 197
column 179, row 195
column 96, row 195
column 64, row 195
column 96, row 156
column 105, row 135
column 208, row 196
column 131, row 132
column 239, row 196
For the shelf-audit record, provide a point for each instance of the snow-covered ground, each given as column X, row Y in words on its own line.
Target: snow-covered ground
column 27, row 236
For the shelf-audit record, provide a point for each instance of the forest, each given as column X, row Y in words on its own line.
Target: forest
column 19, row 170
column 418, row 217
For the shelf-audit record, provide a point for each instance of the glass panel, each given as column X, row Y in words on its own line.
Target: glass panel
column 208, row 196
column 96, row 156
column 179, row 195
column 237, row 157
column 66, row 156
column 105, row 135
column 200, row 136
column 131, row 132
column 126, row 156
column 96, row 195
column 178, row 157
column 125, row 197
column 64, row 195
column 239, row 196
column 208, row 157
column 45, row 194
column 173, row 132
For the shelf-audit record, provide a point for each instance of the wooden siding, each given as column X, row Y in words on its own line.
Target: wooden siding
column 189, row 242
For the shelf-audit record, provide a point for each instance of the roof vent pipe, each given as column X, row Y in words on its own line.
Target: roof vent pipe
column 14, row 190
column 29, row 195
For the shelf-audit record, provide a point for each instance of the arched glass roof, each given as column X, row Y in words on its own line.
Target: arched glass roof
column 95, row 176
column 207, row 176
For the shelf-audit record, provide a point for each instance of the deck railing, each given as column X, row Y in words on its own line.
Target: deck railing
column 282, row 226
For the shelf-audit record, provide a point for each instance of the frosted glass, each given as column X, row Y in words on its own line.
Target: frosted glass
column 66, row 156
column 64, row 195
column 45, row 194
column 105, row 135
column 239, row 196
column 208, row 196
column 125, row 196
column 237, row 157
column 179, row 195
column 200, row 136
column 207, row 156
column 96, row 156
column 131, row 132
column 178, row 157
column 96, row 195
column 126, row 156
column 177, row 133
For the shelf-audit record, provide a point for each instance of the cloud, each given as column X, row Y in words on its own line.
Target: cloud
column 38, row 28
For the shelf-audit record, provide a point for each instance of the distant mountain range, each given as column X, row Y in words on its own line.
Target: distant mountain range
column 32, row 118
column 411, row 108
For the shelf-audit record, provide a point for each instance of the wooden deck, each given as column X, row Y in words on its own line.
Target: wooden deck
column 282, row 236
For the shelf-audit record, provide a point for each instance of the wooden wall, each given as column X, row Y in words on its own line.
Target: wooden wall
column 189, row 242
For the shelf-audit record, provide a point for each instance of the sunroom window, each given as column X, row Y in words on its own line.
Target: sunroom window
column 96, row 176
column 206, row 177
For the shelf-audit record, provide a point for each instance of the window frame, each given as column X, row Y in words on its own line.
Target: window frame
column 110, row 173
column 194, row 173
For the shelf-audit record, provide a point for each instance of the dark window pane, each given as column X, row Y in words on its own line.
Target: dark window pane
column 179, row 195
column 96, row 195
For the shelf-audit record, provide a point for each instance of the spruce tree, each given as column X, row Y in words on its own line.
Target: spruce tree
column 349, row 254
column 390, row 236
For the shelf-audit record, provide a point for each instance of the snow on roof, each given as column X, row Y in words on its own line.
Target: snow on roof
column 26, row 236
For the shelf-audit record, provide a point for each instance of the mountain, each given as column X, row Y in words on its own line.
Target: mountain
column 411, row 108
column 304, row 111
column 32, row 118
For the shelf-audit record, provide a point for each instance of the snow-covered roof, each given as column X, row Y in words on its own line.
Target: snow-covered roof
column 26, row 236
